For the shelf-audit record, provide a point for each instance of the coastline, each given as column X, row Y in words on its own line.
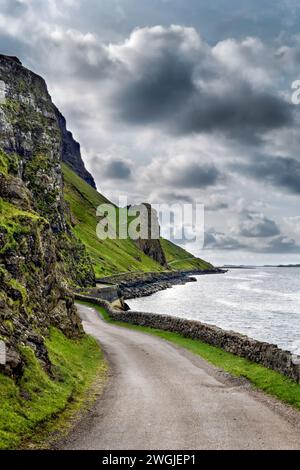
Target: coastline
column 111, row 293
column 183, row 382
column 135, row 285
column 267, row 354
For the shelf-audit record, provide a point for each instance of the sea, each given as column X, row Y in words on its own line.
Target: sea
column 263, row 303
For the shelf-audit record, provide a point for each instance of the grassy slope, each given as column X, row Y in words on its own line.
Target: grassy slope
column 114, row 256
column 180, row 259
column 39, row 405
column 108, row 256
column 265, row 379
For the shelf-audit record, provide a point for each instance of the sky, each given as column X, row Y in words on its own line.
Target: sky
column 180, row 101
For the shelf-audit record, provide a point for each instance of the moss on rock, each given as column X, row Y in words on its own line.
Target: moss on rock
column 40, row 257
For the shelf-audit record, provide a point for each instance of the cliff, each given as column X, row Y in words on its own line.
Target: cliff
column 149, row 242
column 71, row 153
column 40, row 258
column 48, row 250
column 48, row 241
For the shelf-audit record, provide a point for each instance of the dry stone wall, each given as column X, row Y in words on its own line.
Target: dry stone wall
column 268, row 355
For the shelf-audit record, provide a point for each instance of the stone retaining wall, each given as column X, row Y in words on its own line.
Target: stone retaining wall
column 109, row 293
column 133, row 285
column 268, row 355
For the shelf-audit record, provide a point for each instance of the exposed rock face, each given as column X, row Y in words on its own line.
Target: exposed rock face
column 39, row 255
column 149, row 241
column 29, row 130
column 71, row 153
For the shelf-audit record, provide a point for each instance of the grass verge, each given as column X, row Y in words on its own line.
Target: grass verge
column 261, row 377
column 39, row 408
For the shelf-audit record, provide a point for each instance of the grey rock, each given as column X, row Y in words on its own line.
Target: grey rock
column 71, row 153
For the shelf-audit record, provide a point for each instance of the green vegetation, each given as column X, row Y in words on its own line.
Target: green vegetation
column 114, row 256
column 108, row 256
column 39, row 404
column 14, row 222
column 3, row 163
column 11, row 105
column 265, row 379
column 8, row 163
column 182, row 260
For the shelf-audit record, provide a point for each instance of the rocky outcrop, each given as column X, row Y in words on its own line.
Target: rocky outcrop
column 133, row 285
column 30, row 135
column 71, row 153
column 152, row 283
column 149, row 241
column 40, row 258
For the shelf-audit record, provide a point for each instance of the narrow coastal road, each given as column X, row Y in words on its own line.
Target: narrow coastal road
column 160, row 396
column 190, row 258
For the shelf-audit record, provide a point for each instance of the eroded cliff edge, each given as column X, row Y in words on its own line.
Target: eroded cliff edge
column 40, row 258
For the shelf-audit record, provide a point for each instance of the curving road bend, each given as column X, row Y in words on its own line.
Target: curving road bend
column 160, row 396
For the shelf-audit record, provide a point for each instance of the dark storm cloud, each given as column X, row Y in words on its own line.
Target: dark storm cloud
column 257, row 225
column 214, row 240
column 102, row 62
column 13, row 7
column 109, row 168
column 174, row 197
column 160, row 91
column 193, row 93
column 216, row 206
column 255, row 233
column 12, row 46
column 220, row 241
column 172, row 99
column 278, row 171
column 169, row 78
column 282, row 244
column 182, row 172
column 195, row 175
column 117, row 169
column 243, row 113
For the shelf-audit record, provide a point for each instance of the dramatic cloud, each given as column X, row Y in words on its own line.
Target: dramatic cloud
column 167, row 109
column 195, row 176
column 216, row 204
column 254, row 233
column 176, row 80
column 281, row 172
column 258, row 225
column 282, row 244
column 172, row 78
column 112, row 169
column 279, row 244
column 117, row 170
column 13, row 7
column 160, row 81
column 172, row 197
column 183, row 173
column 220, row 241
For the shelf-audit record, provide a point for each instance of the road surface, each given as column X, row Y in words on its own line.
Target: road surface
column 160, row 396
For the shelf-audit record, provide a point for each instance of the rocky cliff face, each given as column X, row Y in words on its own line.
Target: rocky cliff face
column 39, row 256
column 71, row 153
column 149, row 241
